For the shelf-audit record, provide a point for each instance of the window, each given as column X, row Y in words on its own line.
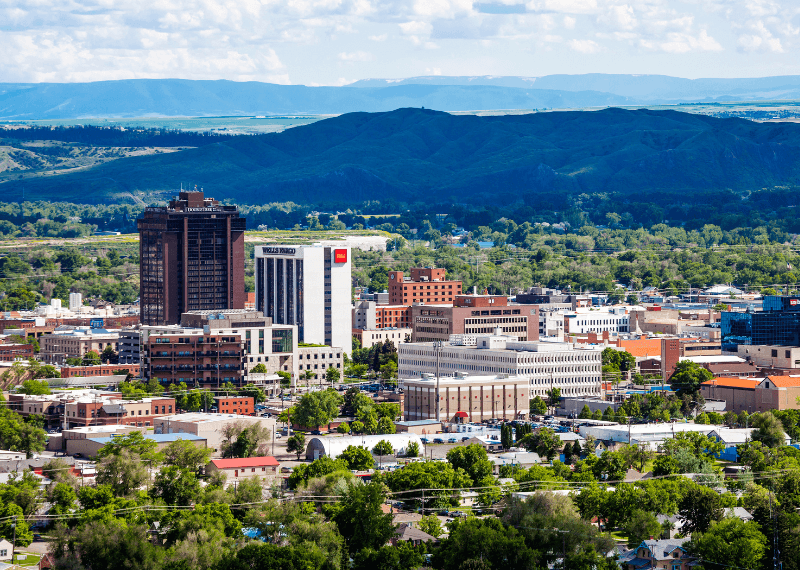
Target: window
column 774, row 353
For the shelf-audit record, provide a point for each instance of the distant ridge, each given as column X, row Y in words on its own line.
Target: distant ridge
column 410, row 155
column 638, row 88
column 182, row 97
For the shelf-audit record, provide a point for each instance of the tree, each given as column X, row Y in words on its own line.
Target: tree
column 8, row 512
column 484, row 544
column 385, row 425
column 586, row 413
column 134, row 442
column 537, row 406
column 259, row 368
column 640, row 526
column 412, row 450
column 506, row 436
column 317, row 408
column 19, row 435
column 431, row 525
column 618, row 360
column 473, row 459
column 590, row 502
column 109, row 355
column 553, row 396
column 176, row 486
column 543, row 441
column 383, row 447
column 688, row 376
column 357, row 458
column 698, row 508
column 123, row 471
column 402, row 556
column 637, row 455
column 242, row 440
column 611, row 466
column 361, row 520
column 34, row 387
column 184, row 454
column 91, row 358
column 343, row 428
column 769, row 429
column 266, row 556
column 730, row 541
column 597, row 415
column 332, row 375
column 255, row 392
column 296, row 444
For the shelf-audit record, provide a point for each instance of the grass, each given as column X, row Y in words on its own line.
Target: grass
column 24, row 559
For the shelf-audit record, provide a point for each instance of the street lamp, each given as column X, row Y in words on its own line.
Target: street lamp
column 14, row 540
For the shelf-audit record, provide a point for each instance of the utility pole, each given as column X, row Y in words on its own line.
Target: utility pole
column 438, row 347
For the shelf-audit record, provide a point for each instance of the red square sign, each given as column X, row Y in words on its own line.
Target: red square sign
column 340, row 256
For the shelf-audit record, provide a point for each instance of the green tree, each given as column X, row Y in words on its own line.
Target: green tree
column 91, row 358
column 184, row 454
column 242, row 440
column 383, row 447
column 385, row 425
column 265, row 556
column 506, row 436
column 124, row 472
column 698, row 508
column 543, row 441
column 688, row 376
column 473, row 459
column 296, row 444
column 361, row 520
column 431, row 525
column 402, row 556
column 586, row 413
column 484, row 544
column 135, row 443
column 343, row 428
column 640, row 526
column 317, row 408
column 730, row 541
column 34, row 387
column 255, row 392
column 412, row 450
column 259, row 368
column 537, row 406
column 357, row 458
column 332, row 375
column 11, row 513
column 769, row 429
column 176, row 486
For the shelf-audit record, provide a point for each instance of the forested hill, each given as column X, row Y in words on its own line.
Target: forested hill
column 408, row 155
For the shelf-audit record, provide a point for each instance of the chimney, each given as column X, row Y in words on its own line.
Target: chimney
column 474, row 289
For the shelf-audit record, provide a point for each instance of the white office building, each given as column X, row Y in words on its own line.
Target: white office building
column 308, row 286
column 575, row 369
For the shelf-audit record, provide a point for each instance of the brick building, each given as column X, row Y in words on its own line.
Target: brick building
column 99, row 370
column 11, row 352
column 739, row 393
column 192, row 258
column 467, row 399
column 89, row 411
column 425, row 285
column 370, row 315
column 205, row 359
column 474, row 315
column 241, row 405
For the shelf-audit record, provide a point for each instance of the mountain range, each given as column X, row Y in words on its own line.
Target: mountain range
column 180, row 97
column 419, row 155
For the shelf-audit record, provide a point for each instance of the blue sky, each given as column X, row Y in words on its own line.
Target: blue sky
column 333, row 42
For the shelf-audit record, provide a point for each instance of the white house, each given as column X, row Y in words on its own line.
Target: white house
column 5, row 550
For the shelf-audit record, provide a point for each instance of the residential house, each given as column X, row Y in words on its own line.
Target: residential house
column 237, row 469
column 658, row 554
column 5, row 550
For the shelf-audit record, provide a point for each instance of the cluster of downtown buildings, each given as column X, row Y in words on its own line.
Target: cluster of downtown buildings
column 196, row 324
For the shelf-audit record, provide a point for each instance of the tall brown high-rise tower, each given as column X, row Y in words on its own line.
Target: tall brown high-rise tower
column 192, row 258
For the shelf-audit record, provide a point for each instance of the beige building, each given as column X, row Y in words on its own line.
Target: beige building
column 68, row 437
column 371, row 337
column 207, row 426
column 90, row 446
column 466, row 398
column 75, row 343
column 770, row 356
column 317, row 360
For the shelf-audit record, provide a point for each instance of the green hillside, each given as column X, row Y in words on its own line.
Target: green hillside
column 412, row 155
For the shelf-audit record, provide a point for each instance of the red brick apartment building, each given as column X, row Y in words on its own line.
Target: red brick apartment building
column 242, row 405
column 141, row 413
column 426, row 285
column 474, row 315
column 10, row 352
column 210, row 360
column 99, row 370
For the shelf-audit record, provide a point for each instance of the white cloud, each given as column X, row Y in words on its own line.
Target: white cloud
column 569, row 22
column 584, row 46
column 380, row 38
column 355, row 56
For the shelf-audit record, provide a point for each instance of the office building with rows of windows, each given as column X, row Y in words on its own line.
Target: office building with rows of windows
column 575, row 369
column 191, row 258
column 309, row 287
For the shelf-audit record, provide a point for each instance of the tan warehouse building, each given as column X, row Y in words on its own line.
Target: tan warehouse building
column 464, row 398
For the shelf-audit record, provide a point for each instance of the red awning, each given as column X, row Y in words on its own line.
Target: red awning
column 462, row 415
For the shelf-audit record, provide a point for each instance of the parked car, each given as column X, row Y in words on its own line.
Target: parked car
column 424, row 439
column 466, row 438
column 452, row 440
column 438, row 440
column 286, row 469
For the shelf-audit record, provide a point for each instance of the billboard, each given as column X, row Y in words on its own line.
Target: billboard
column 340, row 256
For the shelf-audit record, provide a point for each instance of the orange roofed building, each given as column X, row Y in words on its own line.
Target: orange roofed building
column 754, row 394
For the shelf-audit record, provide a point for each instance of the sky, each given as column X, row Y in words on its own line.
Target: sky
column 335, row 42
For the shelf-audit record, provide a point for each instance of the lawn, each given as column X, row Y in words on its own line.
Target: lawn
column 25, row 559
